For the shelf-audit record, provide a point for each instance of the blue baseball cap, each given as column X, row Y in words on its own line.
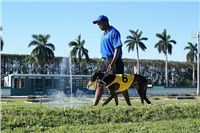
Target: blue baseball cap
column 100, row 18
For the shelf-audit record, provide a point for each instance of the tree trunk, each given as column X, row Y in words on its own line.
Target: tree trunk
column 138, row 62
column 81, row 69
column 193, row 75
column 166, row 72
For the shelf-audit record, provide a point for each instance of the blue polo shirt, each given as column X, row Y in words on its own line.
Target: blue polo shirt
column 109, row 41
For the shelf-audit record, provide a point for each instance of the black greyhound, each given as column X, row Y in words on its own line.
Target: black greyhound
column 119, row 83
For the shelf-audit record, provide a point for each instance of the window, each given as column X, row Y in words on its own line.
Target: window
column 16, row 85
column 19, row 83
column 23, row 83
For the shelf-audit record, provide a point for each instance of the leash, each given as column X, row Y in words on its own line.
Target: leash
column 106, row 72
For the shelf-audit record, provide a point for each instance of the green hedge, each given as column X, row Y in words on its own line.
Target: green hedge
column 44, row 119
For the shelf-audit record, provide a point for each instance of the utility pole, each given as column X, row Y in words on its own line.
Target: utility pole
column 197, row 35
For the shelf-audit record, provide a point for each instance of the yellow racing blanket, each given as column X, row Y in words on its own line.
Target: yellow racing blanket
column 123, row 80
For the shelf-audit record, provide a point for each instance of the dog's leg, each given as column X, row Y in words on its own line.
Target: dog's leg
column 112, row 90
column 142, row 89
column 140, row 92
column 109, row 99
column 115, row 97
column 116, row 100
column 147, row 100
column 126, row 97
column 145, row 94
column 140, row 83
column 142, row 98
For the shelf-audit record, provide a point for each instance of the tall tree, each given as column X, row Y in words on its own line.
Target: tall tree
column 164, row 45
column 192, row 57
column 135, row 40
column 78, row 51
column 43, row 51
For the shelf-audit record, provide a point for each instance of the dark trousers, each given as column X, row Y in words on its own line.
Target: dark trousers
column 118, row 67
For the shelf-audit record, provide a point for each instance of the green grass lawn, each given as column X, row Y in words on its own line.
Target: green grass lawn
column 163, row 116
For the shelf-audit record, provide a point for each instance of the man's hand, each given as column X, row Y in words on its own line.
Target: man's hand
column 110, row 67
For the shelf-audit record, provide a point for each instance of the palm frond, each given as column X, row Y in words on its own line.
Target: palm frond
column 35, row 36
column 169, row 48
column 139, row 35
column 131, row 46
column 144, row 38
column 132, row 32
column 129, row 37
column 128, row 41
column 142, row 46
column 2, row 43
column 160, row 36
column 33, row 43
column 72, row 43
column 80, row 55
column 172, row 41
column 74, row 51
column 51, row 46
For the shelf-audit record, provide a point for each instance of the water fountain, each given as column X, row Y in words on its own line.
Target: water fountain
column 70, row 73
column 59, row 98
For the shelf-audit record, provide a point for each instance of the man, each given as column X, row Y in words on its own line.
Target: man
column 111, row 50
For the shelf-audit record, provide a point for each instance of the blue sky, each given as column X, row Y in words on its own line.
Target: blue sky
column 65, row 20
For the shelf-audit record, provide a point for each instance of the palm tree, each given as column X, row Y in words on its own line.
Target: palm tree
column 31, row 64
column 43, row 52
column 192, row 57
column 165, row 46
column 78, row 51
column 135, row 40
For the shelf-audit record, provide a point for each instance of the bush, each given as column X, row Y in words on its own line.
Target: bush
column 14, row 117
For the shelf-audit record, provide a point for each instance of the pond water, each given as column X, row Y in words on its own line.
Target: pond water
column 160, row 90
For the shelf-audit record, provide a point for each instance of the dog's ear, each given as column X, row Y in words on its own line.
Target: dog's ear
column 100, row 75
column 96, row 75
